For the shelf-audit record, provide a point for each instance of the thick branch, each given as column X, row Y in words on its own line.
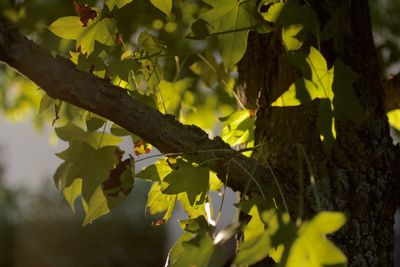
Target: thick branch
column 60, row 79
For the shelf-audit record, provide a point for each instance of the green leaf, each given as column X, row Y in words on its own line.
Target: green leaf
column 102, row 31
column 238, row 128
column 94, row 122
column 72, row 192
column 296, row 20
column 186, row 178
column 163, row 5
column 119, row 131
column 99, row 205
column 231, row 20
column 315, row 84
column 150, row 43
column 72, row 133
column 197, row 251
column 158, row 202
column 152, row 72
column 118, row 3
column 312, row 248
column 65, row 175
column 215, row 182
column 253, row 250
column 327, row 222
column 155, row 172
column 92, row 165
column 193, row 210
column 171, row 95
column 394, row 118
column 45, row 103
column 67, row 27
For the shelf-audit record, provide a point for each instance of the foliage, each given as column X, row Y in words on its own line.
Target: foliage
column 192, row 76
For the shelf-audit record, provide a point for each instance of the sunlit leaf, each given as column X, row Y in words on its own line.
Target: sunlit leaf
column 155, row 172
column 72, row 133
column 45, row 103
column 72, row 192
column 171, row 94
column 394, row 118
column 117, row 3
column 238, row 128
column 186, row 178
column 92, row 165
column 100, row 30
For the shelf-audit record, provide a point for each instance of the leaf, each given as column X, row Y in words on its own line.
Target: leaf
column 158, row 202
column 119, row 131
column 315, row 84
column 92, row 165
column 296, row 20
column 72, row 192
column 85, row 13
column 163, row 5
column 186, row 178
column 72, row 133
column 312, row 248
column 102, row 31
column 65, row 175
column 45, row 103
column 193, row 210
column 238, row 128
column 150, row 43
column 171, row 95
column 155, row 172
column 394, row 118
column 152, row 72
column 215, row 182
column 197, row 251
column 118, row 3
column 94, row 122
column 253, row 250
column 231, row 20
column 99, row 205
column 120, row 180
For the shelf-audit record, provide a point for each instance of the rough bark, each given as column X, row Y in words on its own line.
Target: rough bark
column 359, row 175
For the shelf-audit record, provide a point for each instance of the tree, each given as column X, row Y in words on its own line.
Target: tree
column 308, row 78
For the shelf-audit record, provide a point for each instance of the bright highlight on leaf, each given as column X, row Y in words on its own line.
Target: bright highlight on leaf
column 238, row 128
column 394, row 118
column 117, row 3
column 296, row 20
column 290, row 245
column 100, row 30
column 334, row 87
column 312, row 248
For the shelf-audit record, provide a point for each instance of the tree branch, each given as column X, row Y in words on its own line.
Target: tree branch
column 59, row 78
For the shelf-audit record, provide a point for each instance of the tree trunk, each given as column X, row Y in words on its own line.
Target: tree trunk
column 358, row 175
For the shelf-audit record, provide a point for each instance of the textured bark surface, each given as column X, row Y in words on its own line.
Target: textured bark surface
column 359, row 175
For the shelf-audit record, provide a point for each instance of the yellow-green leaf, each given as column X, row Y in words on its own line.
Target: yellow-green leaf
column 118, row 3
column 163, row 5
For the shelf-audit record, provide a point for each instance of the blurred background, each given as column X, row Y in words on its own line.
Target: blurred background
column 37, row 227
